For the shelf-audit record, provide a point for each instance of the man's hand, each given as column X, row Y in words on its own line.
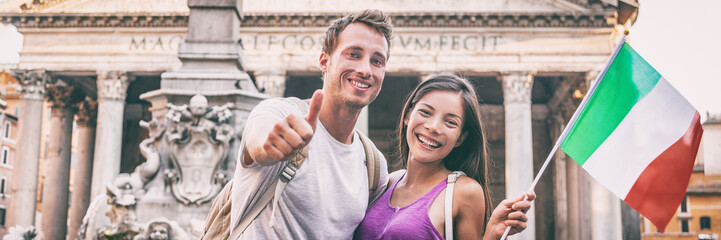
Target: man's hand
column 510, row 212
column 294, row 132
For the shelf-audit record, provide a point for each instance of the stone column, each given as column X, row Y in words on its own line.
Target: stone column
column 606, row 213
column 57, row 175
column 112, row 90
column 519, row 140
column 273, row 81
column 86, row 115
column 556, row 124
column 25, row 183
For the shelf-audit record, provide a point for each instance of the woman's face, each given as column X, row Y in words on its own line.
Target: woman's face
column 434, row 126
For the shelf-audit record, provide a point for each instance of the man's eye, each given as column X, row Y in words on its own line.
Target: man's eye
column 353, row 55
column 376, row 62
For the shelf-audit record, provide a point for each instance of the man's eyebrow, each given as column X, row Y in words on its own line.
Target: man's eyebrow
column 380, row 55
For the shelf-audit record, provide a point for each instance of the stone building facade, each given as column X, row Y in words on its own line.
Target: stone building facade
column 531, row 63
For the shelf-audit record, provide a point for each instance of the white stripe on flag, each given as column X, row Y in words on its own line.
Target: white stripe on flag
column 653, row 124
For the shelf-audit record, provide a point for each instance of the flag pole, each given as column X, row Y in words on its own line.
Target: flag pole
column 572, row 121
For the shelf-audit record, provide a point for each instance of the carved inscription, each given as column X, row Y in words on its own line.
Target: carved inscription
column 411, row 42
column 155, row 43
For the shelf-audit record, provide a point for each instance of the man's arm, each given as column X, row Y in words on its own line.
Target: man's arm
column 269, row 138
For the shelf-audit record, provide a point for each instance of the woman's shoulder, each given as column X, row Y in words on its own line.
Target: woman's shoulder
column 468, row 189
column 392, row 177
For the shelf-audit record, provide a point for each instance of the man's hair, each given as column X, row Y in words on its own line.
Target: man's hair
column 375, row 19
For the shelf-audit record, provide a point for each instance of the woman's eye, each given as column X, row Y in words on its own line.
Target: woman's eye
column 353, row 55
column 424, row 112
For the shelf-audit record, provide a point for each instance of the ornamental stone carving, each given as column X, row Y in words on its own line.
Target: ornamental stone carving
column 63, row 96
column 112, row 85
column 592, row 19
column 87, row 113
column 32, row 82
column 199, row 138
column 517, row 87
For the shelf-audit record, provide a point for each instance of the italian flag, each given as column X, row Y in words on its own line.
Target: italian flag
column 638, row 137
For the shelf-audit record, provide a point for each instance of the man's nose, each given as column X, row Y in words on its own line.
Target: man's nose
column 364, row 69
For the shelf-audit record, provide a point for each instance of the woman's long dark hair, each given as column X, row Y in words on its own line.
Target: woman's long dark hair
column 471, row 156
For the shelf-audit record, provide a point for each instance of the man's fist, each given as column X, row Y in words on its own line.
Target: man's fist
column 294, row 132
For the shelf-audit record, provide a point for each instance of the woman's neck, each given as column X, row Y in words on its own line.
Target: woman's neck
column 423, row 174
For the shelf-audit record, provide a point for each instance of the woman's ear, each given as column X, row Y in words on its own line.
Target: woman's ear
column 461, row 139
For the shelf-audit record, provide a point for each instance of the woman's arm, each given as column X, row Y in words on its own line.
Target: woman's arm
column 469, row 209
column 510, row 212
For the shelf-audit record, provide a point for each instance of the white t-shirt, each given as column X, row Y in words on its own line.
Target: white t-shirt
column 328, row 197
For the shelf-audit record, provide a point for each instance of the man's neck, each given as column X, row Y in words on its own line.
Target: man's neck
column 339, row 121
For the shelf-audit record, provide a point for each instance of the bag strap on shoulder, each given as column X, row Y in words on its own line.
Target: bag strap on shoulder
column 372, row 165
column 276, row 188
column 449, row 203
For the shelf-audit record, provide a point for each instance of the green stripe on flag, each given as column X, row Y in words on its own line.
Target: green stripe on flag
column 628, row 79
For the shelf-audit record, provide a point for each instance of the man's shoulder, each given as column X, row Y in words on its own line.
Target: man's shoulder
column 282, row 106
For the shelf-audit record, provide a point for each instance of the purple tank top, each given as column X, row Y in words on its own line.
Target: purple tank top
column 383, row 221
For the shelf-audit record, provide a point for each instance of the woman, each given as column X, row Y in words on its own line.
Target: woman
column 440, row 132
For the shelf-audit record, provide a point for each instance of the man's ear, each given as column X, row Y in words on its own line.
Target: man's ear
column 461, row 139
column 323, row 61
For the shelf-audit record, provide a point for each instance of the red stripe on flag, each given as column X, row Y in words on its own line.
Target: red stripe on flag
column 662, row 185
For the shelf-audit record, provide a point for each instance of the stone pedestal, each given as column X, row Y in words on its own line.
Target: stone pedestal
column 25, row 183
column 519, row 140
column 86, row 115
column 57, row 176
column 211, row 56
column 112, row 90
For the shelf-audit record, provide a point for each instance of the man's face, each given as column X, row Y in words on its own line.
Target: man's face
column 354, row 71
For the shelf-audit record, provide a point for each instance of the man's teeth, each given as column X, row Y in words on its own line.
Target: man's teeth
column 428, row 142
column 360, row 85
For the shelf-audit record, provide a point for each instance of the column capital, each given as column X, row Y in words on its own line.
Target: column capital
column 63, row 96
column 591, row 77
column 517, row 87
column 87, row 113
column 32, row 82
column 112, row 85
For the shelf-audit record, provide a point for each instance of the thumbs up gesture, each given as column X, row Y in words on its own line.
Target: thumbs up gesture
column 293, row 132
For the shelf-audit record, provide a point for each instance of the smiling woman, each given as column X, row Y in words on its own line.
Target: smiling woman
column 440, row 139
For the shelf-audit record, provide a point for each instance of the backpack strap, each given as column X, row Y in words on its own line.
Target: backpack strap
column 276, row 188
column 372, row 165
column 449, row 203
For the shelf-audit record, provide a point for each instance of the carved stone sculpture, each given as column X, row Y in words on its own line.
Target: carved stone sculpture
column 185, row 167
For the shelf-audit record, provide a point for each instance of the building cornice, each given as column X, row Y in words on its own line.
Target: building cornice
column 265, row 20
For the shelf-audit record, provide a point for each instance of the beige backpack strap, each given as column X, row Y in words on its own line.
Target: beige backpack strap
column 372, row 165
column 276, row 188
column 449, row 203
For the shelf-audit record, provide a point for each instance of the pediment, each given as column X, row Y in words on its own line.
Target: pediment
column 304, row 6
column 95, row 6
column 419, row 6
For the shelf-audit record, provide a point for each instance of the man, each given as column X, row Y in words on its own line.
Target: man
column 329, row 195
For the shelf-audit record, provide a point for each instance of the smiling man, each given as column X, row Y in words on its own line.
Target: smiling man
column 329, row 194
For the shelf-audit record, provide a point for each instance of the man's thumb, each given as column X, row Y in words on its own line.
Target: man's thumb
column 316, row 102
